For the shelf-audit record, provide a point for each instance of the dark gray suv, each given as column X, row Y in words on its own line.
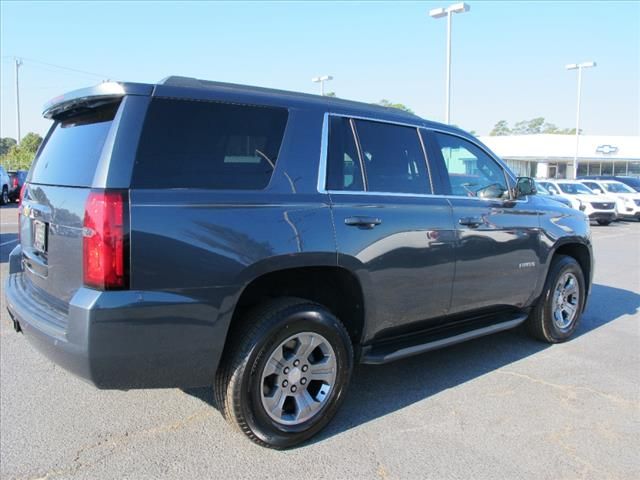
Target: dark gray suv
column 297, row 236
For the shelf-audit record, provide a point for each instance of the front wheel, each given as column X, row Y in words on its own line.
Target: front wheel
column 284, row 375
column 557, row 313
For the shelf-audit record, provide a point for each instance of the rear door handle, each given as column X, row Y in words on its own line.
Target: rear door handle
column 472, row 222
column 362, row 222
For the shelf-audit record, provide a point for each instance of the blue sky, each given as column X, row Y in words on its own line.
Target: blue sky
column 508, row 57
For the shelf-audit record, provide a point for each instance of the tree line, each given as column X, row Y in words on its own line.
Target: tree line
column 14, row 156
column 530, row 127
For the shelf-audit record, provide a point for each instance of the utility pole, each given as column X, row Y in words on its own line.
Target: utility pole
column 440, row 13
column 579, row 67
column 18, row 63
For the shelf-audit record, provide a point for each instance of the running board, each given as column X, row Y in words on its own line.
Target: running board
column 375, row 355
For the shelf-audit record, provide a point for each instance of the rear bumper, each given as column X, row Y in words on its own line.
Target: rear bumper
column 127, row 339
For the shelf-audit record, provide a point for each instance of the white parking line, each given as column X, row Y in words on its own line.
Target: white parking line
column 7, row 243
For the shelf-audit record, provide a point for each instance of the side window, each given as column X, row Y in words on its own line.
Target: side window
column 189, row 144
column 472, row 173
column 343, row 164
column 393, row 158
column 592, row 185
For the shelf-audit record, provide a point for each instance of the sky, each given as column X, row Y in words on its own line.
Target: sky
column 508, row 57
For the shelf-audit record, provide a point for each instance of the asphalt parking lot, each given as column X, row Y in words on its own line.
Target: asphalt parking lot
column 498, row 407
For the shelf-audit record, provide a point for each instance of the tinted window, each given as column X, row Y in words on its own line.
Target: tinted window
column 189, row 144
column 70, row 155
column 393, row 158
column 343, row 164
column 472, row 173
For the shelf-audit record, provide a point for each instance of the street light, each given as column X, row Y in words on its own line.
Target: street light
column 579, row 67
column 447, row 12
column 321, row 80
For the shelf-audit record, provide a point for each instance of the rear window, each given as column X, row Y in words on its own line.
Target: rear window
column 71, row 153
column 210, row 145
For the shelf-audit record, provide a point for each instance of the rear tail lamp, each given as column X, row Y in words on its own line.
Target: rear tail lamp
column 22, row 191
column 105, row 240
column 15, row 182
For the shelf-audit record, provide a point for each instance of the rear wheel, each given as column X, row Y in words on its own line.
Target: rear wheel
column 604, row 222
column 4, row 198
column 557, row 314
column 284, row 375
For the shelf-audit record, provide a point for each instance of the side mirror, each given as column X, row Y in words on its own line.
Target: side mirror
column 525, row 186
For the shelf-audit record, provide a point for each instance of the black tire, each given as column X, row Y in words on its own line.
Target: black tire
column 239, row 377
column 540, row 323
column 604, row 222
column 4, row 197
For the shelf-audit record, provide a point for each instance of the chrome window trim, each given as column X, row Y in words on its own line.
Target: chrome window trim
column 322, row 168
column 374, row 119
column 422, row 195
column 324, row 143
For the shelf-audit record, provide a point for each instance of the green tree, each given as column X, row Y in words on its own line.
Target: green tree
column 31, row 142
column 5, row 144
column 500, row 128
column 386, row 103
column 538, row 125
column 528, row 127
column 20, row 157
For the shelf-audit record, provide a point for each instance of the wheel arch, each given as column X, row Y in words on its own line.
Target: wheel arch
column 581, row 252
column 323, row 282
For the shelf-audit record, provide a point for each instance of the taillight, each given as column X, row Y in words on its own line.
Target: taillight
column 24, row 187
column 22, row 190
column 105, row 238
column 15, row 182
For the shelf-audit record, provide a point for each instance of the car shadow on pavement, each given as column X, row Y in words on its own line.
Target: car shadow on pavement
column 8, row 227
column 7, row 242
column 376, row 391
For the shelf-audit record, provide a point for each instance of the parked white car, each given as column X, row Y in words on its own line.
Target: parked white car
column 599, row 208
column 627, row 199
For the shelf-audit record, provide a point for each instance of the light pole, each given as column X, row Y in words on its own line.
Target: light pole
column 447, row 12
column 18, row 64
column 579, row 67
column 321, row 80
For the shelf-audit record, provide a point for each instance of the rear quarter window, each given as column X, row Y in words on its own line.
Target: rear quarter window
column 209, row 145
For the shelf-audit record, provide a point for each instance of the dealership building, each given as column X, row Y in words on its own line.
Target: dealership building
column 552, row 156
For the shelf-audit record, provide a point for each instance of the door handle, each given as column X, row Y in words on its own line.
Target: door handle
column 362, row 222
column 471, row 222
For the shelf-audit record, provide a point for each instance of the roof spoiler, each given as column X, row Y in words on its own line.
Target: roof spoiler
column 97, row 95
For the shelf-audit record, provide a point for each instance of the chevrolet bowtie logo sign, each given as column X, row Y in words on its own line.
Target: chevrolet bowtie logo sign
column 606, row 149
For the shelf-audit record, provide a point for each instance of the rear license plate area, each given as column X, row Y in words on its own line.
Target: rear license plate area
column 40, row 236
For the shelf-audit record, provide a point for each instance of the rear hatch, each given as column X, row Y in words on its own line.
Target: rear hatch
column 53, row 207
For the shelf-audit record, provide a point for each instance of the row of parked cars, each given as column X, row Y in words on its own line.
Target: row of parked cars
column 10, row 184
column 602, row 199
